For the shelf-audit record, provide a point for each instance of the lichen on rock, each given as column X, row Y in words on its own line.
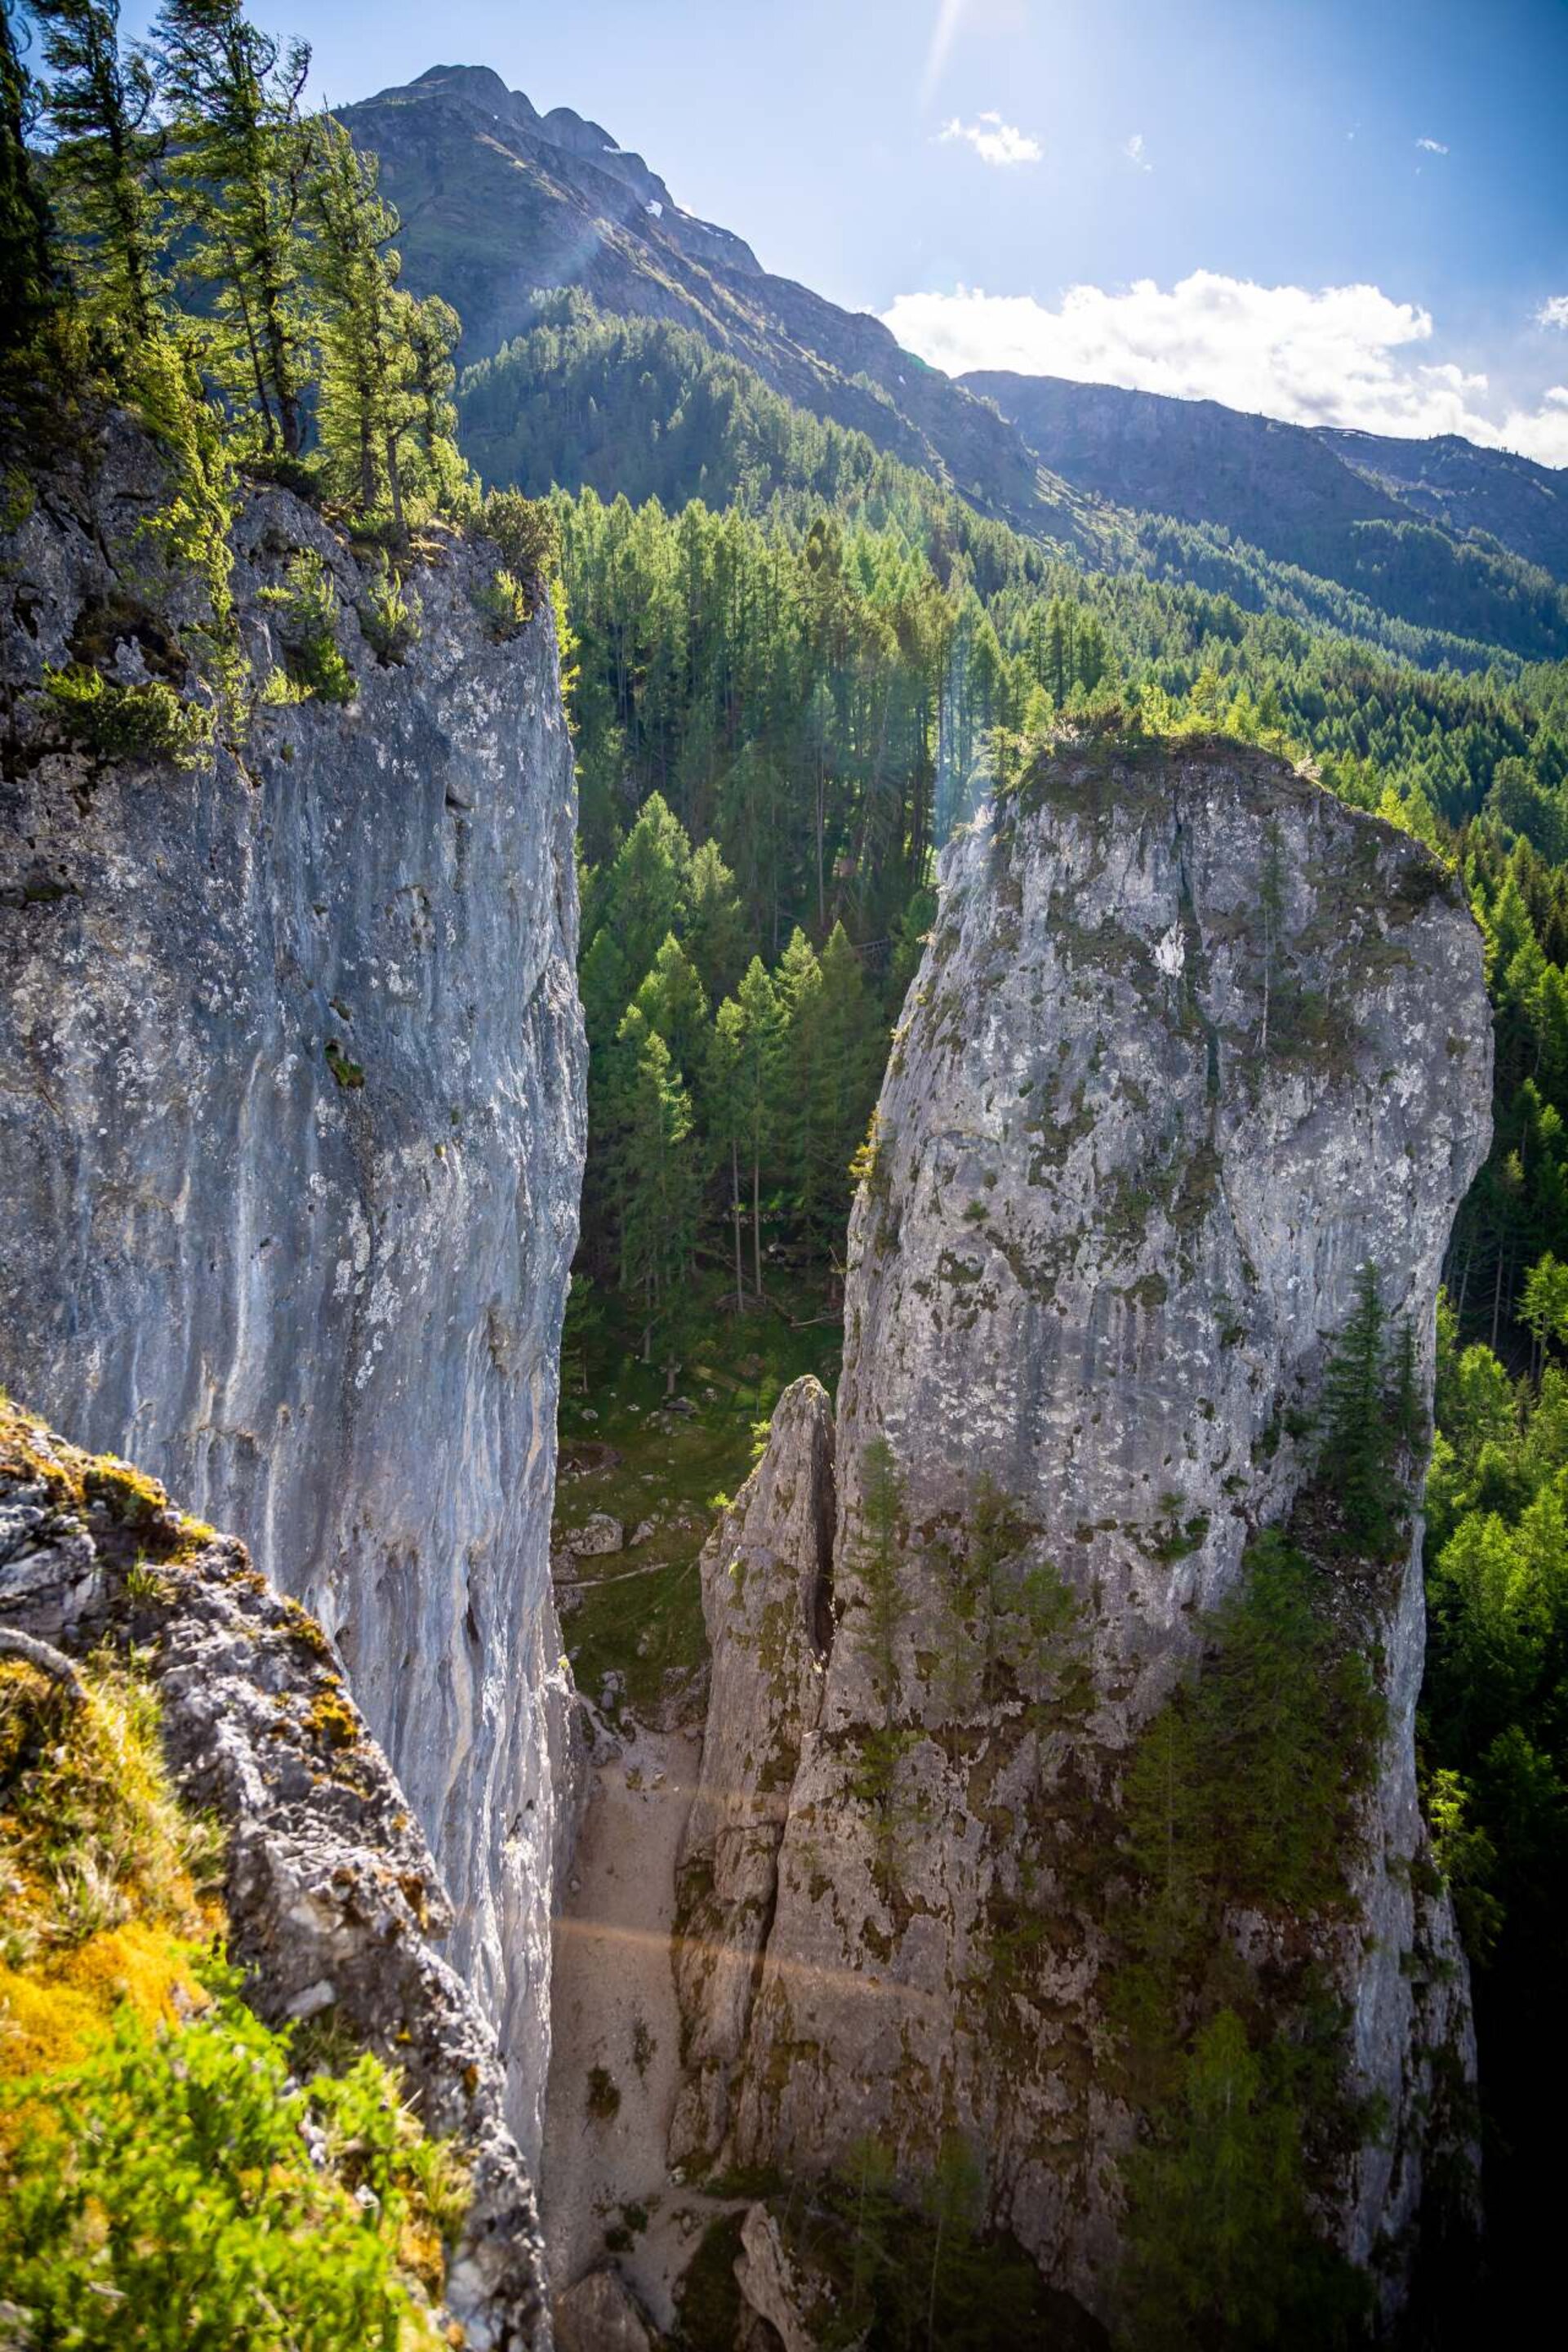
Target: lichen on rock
column 330, row 1900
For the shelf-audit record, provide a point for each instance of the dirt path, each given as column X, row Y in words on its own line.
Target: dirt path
column 613, row 2004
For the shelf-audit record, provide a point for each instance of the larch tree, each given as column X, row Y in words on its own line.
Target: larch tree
column 364, row 361
column 238, row 170
column 29, row 280
column 99, row 105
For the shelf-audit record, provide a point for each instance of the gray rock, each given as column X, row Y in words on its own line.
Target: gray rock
column 765, row 1573
column 1190, row 1042
column 768, row 2284
column 290, row 1142
column 598, row 1534
column 332, row 1897
column 600, row 2314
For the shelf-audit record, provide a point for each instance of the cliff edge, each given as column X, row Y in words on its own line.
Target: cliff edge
column 292, row 1127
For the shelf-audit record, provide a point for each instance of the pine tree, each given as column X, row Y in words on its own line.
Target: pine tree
column 716, row 935
column 756, row 1023
column 238, row 170
column 644, row 894
column 99, row 102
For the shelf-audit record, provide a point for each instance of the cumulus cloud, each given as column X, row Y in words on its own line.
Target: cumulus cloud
column 1553, row 312
column 1133, row 151
column 1432, row 146
column 994, row 141
column 1345, row 355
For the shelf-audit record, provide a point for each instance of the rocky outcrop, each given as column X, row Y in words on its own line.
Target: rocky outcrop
column 292, row 1128
column 1191, row 1042
column 765, row 1572
column 332, row 1899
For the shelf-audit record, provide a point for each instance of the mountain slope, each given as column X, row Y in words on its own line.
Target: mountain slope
column 1472, row 540
column 498, row 201
column 501, row 203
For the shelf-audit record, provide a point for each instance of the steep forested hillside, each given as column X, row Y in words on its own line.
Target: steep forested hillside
column 501, row 205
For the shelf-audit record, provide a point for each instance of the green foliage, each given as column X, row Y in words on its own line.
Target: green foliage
column 29, row 271
column 527, row 532
column 900, row 2272
column 389, row 624
column 1372, row 1418
column 100, row 101
column 505, row 604
column 237, row 165
column 148, row 722
column 1222, row 2248
column 308, row 624
column 1242, row 1796
column 161, row 2191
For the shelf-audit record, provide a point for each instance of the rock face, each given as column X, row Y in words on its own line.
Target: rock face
column 331, row 1898
column 291, row 1136
column 765, row 1571
column 1190, row 1042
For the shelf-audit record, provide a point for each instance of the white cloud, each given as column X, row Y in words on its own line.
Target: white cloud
column 994, row 141
column 1346, row 355
column 1133, row 151
column 1553, row 312
column 1432, row 146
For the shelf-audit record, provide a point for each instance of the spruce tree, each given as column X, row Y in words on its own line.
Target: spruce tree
column 1360, row 1439
column 660, row 1180
column 238, row 171
column 798, row 1082
column 672, row 1001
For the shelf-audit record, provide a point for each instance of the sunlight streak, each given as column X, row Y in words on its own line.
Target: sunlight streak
column 948, row 19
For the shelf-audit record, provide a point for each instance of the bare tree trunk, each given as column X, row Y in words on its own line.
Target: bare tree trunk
column 735, row 1221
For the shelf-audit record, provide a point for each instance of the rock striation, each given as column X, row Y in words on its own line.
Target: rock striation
column 1191, row 1044
column 334, row 1904
column 292, row 1128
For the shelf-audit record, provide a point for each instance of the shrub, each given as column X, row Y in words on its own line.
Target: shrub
column 390, row 623
column 604, row 2100
column 526, row 532
column 163, row 2193
column 308, row 623
column 148, row 722
column 505, row 604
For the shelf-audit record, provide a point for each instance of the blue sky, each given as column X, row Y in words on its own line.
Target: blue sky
column 1352, row 210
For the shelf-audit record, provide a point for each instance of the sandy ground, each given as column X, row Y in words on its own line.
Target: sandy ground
column 613, row 2004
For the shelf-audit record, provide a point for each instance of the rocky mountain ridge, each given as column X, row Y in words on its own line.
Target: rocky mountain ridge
column 499, row 202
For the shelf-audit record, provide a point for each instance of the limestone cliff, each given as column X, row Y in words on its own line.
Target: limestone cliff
column 332, row 1900
column 1190, row 1044
column 292, row 1131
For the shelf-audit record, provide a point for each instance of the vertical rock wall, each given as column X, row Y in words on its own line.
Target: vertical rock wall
column 291, row 1130
column 1190, row 1042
